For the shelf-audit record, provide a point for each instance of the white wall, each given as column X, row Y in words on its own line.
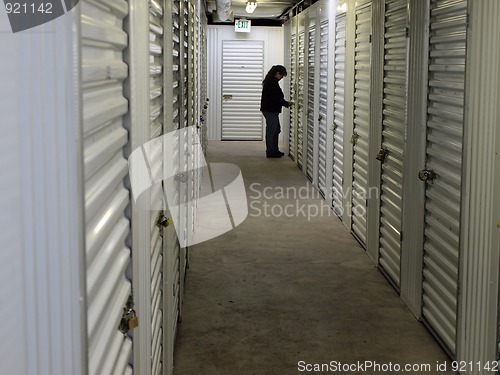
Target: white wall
column 273, row 54
column 41, row 208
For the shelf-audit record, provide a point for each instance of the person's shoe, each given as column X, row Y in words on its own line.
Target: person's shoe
column 281, row 153
column 278, row 155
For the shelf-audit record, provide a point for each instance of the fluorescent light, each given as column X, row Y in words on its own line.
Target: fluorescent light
column 251, row 5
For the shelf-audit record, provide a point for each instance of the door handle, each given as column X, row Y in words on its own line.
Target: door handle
column 427, row 175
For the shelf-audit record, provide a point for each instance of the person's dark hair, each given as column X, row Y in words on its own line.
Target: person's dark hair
column 272, row 72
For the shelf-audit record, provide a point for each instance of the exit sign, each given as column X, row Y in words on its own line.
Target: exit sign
column 242, row 26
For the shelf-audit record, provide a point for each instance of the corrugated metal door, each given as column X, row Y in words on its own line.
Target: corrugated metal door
column 300, row 99
column 393, row 137
column 338, row 116
column 361, row 128
column 293, row 83
column 184, row 150
column 323, row 103
column 311, row 71
column 106, row 197
column 443, row 170
column 157, row 196
column 242, row 75
column 171, row 246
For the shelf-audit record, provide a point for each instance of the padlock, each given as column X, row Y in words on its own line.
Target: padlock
column 382, row 155
column 133, row 321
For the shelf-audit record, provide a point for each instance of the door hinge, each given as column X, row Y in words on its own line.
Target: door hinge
column 370, row 38
column 407, row 32
column 401, row 236
column 467, row 20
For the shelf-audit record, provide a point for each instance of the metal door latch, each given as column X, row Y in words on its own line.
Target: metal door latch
column 181, row 177
column 354, row 138
column 227, row 97
column 334, row 127
column 382, row 154
column 320, row 118
column 427, row 175
column 163, row 221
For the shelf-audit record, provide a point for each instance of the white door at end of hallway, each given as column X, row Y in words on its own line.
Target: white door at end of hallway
column 242, row 75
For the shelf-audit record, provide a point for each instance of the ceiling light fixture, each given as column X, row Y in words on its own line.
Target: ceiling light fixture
column 251, row 5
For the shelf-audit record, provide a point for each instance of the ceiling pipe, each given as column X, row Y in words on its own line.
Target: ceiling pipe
column 223, row 9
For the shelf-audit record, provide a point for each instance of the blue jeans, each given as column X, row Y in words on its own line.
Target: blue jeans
column 273, row 129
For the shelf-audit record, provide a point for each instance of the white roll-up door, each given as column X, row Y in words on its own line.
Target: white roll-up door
column 311, row 71
column 186, row 210
column 106, row 197
column 176, row 68
column 443, row 169
column 157, row 195
column 171, row 248
column 323, row 105
column 393, row 137
column 242, row 75
column 338, row 115
column 293, row 86
column 300, row 98
column 361, row 128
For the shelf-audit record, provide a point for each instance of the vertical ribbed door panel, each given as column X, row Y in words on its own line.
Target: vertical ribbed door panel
column 361, row 128
column 338, row 115
column 300, row 99
column 311, row 70
column 171, row 247
column 106, row 197
column 393, row 137
column 445, row 122
column 323, row 104
column 157, row 196
column 293, row 92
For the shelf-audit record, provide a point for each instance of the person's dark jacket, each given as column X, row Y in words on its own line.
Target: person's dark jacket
column 272, row 98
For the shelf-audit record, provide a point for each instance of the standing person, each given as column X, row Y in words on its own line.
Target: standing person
column 271, row 101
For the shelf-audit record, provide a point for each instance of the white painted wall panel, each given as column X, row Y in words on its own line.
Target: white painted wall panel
column 41, row 210
column 478, row 310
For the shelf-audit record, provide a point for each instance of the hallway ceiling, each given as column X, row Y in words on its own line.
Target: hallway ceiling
column 266, row 9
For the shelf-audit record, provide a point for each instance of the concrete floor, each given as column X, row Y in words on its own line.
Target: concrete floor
column 281, row 289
